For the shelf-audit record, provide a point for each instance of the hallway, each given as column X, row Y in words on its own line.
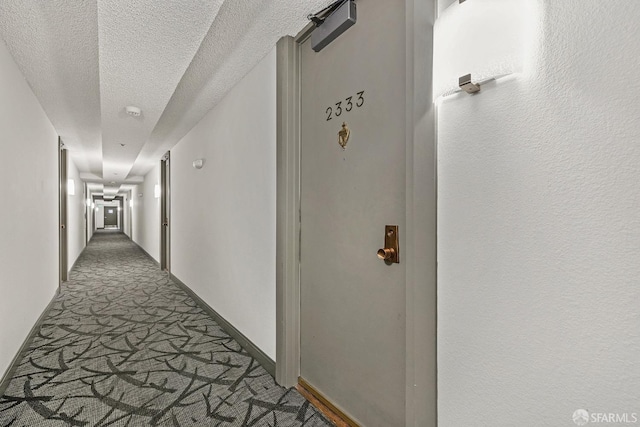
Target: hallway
column 122, row 345
column 417, row 213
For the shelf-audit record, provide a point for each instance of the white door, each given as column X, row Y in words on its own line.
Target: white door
column 352, row 303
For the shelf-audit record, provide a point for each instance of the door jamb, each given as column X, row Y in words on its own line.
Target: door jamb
column 63, row 193
column 421, row 402
column 85, row 194
column 165, row 212
column 421, row 191
column 287, row 212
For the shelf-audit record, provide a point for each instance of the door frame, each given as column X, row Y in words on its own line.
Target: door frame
column 120, row 200
column 63, row 193
column 165, row 212
column 87, row 208
column 420, row 244
column 115, row 214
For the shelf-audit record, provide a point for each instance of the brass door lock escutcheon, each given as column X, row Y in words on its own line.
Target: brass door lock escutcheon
column 391, row 251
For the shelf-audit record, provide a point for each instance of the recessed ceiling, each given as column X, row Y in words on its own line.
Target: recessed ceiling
column 86, row 61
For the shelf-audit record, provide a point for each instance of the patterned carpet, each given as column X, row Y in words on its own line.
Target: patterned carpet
column 124, row 346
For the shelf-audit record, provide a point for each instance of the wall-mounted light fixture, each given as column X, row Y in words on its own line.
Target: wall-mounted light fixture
column 131, row 203
column 71, row 187
column 198, row 163
column 476, row 41
column 156, row 191
column 88, row 203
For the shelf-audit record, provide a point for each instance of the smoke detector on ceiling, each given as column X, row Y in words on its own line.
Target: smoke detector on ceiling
column 133, row 111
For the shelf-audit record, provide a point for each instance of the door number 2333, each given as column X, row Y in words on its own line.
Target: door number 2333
column 346, row 105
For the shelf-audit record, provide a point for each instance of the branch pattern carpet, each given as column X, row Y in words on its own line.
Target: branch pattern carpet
column 122, row 345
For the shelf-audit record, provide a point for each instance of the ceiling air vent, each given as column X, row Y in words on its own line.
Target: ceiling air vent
column 133, row 111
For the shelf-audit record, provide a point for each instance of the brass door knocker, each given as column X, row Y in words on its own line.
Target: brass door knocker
column 343, row 135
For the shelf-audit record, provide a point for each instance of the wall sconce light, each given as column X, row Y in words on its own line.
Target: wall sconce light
column 476, row 41
column 131, row 203
column 156, row 191
column 88, row 203
column 198, row 163
column 71, row 187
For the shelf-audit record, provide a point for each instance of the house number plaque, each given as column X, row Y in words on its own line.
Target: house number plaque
column 345, row 105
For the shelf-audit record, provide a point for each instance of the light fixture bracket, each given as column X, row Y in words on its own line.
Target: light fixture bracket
column 467, row 85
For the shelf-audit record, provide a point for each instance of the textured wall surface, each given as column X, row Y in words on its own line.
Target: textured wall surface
column 146, row 214
column 539, row 231
column 29, row 214
column 223, row 215
column 76, row 207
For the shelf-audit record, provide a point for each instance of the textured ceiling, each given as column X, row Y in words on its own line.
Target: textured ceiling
column 55, row 44
column 175, row 59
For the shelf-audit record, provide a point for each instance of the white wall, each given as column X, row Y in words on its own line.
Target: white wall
column 76, row 208
column 126, row 216
column 146, row 214
column 443, row 4
column 99, row 216
column 91, row 215
column 136, row 213
column 539, row 229
column 223, row 216
column 29, row 214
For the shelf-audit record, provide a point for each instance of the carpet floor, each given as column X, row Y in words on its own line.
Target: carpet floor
column 122, row 345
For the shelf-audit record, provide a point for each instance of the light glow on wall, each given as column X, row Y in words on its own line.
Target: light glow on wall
column 488, row 39
column 156, row 191
column 71, row 187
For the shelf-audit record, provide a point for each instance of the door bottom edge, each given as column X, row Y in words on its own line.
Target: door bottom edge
column 324, row 405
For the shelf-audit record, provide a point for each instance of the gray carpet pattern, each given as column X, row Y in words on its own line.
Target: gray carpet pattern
column 123, row 345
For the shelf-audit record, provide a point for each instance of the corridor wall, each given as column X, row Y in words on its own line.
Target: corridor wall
column 539, row 231
column 146, row 214
column 99, row 215
column 224, row 215
column 126, row 216
column 76, row 208
column 29, row 214
column 91, row 214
